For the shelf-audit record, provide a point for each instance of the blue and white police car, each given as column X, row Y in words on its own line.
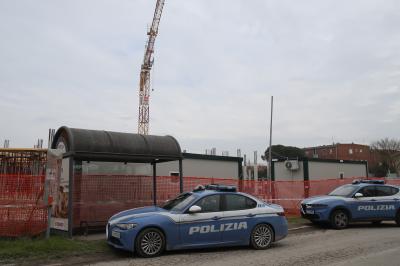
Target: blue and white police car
column 210, row 216
column 363, row 200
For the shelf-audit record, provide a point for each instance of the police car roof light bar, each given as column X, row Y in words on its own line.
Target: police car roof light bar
column 219, row 187
column 199, row 188
column 377, row 182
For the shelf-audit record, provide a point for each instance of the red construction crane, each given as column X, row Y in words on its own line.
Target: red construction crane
column 144, row 85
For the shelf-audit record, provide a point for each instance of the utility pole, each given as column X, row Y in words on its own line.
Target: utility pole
column 270, row 148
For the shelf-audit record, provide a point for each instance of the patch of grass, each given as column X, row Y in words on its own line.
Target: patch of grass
column 40, row 248
column 297, row 220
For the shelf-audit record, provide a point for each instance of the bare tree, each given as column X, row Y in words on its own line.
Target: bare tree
column 389, row 153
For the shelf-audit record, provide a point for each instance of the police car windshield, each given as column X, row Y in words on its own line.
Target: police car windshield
column 179, row 202
column 344, row 191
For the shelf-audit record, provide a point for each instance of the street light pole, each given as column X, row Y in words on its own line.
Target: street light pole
column 270, row 149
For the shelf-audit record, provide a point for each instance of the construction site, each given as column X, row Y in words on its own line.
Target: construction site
column 85, row 176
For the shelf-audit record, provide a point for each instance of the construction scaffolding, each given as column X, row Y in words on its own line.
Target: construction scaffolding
column 22, row 161
column 22, row 208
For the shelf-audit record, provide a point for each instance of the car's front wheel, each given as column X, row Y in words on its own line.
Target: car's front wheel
column 262, row 236
column 397, row 219
column 339, row 219
column 150, row 243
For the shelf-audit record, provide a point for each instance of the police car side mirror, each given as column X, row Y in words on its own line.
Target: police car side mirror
column 358, row 195
column 194, row 209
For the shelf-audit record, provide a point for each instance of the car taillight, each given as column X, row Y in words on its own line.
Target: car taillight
column 281, row 213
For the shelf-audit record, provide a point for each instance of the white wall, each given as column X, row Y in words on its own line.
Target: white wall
column 283, row 174
column 323, row 170
column 319, row 170
column 191, row 167
column 201, row 168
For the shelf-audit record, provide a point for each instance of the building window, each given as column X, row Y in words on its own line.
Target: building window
column 360, row 150
column 350, row 151
column 330, row 151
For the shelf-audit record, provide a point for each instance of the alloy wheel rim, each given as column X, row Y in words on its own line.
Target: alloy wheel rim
column 151, row 243
column 262, row 236
column 341, row 219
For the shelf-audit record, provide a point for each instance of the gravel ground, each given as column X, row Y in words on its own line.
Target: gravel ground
column 358, row 245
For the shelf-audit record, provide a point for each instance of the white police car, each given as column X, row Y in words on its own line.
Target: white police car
column 210, row 216
column 363, row 200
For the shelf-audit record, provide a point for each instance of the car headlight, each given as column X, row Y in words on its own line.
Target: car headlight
column 127, row 226
column 316, row 205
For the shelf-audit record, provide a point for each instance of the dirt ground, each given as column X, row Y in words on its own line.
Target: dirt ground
column 361, row 244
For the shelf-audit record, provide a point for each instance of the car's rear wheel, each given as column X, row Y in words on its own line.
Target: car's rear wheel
column 150, row 243
column 339, row 219
column 262, row 236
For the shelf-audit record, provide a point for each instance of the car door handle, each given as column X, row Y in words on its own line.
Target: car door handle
column 216, row 218
column 372, row 200
column 395, row 199
column 250, row 215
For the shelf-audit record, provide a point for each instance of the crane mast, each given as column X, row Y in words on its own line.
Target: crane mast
column 144, row 83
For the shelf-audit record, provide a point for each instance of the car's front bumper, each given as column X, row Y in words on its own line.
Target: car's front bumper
column 315, row 214
column 121, row 239
column 311, row 217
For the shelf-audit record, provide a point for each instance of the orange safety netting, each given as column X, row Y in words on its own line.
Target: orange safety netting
column 97, row 197
column 22, row 211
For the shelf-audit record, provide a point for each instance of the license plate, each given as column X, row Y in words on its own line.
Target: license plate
column 310, row 211
column 116, row 234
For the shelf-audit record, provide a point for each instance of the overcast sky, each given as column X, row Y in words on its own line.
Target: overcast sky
column 333, row 68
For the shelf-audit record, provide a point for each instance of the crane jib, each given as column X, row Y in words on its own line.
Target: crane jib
column 144, row 85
